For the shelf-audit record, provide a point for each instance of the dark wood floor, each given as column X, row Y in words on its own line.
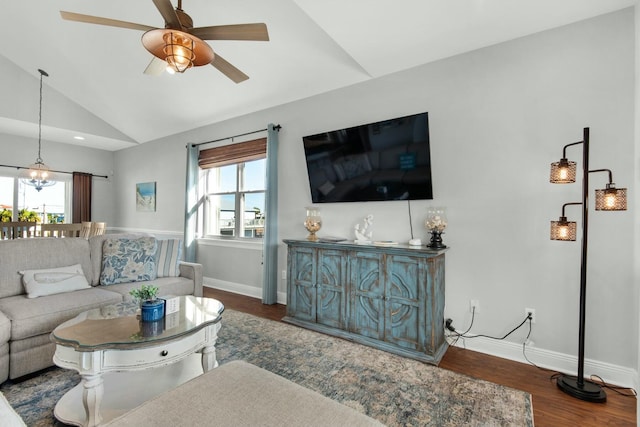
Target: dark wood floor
column 551, row 407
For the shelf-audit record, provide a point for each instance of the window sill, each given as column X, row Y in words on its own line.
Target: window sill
column 231, row 243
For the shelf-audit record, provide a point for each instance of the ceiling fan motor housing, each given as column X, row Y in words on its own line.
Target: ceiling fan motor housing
column 185, row 21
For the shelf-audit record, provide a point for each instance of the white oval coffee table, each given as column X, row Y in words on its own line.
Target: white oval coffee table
column 124, row 362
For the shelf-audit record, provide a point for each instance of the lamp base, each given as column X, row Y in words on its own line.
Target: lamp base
column 589, row 391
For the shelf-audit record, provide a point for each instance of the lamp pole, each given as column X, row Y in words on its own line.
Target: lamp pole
column 577, row 386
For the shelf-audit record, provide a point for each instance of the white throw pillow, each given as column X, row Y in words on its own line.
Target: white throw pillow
column 51, row 281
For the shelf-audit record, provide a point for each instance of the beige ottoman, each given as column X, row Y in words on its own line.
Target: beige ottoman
column 241, row 394
column 9, row 417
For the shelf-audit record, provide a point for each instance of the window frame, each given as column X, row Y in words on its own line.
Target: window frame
column 209, row 217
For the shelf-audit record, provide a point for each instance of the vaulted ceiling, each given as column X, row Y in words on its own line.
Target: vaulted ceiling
column 315, row 46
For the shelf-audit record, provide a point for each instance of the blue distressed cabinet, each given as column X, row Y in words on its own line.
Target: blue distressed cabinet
column 391, row 298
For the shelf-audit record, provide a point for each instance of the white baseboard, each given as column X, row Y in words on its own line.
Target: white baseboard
column 238, row 288
column 611, row 374
column 560, row 362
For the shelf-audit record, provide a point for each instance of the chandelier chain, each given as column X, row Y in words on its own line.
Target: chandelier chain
column 39, row 159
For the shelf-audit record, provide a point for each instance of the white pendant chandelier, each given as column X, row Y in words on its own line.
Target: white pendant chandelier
column 39, row 174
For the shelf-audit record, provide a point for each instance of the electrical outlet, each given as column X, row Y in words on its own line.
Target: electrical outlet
column 532, row 312
column 530, row 343
column 474, row 304
column 284, row 275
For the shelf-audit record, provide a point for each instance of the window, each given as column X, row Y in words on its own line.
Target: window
column 234, row 180
column 52, row 203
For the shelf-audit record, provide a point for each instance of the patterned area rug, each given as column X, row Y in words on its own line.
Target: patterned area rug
column 395, row 390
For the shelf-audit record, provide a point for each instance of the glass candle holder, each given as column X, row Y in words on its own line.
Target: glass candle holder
column 313, row 223
column 436, row 222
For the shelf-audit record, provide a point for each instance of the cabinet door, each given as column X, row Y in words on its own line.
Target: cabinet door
column 367, row 292
column 404, row 318
column 331, row 282
column 302, row 273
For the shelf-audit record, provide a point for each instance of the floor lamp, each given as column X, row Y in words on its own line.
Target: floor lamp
column 608, row 199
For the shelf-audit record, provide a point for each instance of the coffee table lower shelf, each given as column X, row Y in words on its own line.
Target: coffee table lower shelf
column 124, row 391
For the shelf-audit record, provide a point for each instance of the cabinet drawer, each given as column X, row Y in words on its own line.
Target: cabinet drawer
column 147, row 357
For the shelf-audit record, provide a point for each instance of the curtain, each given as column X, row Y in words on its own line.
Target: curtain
column 270, row 239
column 81, row 200
column 191, row 204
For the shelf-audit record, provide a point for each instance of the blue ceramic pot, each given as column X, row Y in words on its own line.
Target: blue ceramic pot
column 151, row 311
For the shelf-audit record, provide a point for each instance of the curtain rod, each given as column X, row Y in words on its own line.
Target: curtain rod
column 69, row 173
column 276, row 127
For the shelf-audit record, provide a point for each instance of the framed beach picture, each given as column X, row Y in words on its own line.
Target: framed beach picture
column 146, row 197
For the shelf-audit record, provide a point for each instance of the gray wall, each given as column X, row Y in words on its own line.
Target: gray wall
column 499, row 116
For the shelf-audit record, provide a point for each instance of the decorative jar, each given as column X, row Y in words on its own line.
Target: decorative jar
column 313, row 222
column 436, row 222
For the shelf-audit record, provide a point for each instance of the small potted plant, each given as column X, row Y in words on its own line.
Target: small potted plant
column 151, row 308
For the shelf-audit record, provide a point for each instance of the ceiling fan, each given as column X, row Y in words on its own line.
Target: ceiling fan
column 178, row 46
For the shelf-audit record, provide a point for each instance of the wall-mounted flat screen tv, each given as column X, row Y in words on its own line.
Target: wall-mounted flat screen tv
column 386, row 160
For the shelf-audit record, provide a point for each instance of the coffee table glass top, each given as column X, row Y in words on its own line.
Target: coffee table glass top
column 119, row 325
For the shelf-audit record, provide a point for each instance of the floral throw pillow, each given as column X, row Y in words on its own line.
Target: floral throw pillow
column 128, row 260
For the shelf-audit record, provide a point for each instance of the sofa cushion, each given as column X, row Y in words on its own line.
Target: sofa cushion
column 128, row 260
column 95, row 248
column 168, row 257
column 40, row 253
column 50, row 281
column 166, row 286
column 30, row 317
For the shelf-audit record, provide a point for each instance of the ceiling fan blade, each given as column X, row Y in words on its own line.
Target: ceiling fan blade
column 256, row 31
column 228, row 70
column 71, row 16
column 156, row 67
column 168, row 13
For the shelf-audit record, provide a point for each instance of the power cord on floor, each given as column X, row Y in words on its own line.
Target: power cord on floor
column 624, row 391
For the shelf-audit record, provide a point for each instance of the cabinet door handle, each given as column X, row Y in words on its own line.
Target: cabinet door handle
column 164, row 353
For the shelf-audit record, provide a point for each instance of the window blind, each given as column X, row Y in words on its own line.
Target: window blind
column 233, row 153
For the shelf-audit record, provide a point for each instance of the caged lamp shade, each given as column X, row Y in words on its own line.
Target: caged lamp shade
column 563, row 172
column 563, row 229
column 611, row 199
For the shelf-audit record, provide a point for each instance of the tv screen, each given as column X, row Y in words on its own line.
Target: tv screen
column 386, row 160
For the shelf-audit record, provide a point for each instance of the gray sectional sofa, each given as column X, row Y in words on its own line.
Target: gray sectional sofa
column 26, row 323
